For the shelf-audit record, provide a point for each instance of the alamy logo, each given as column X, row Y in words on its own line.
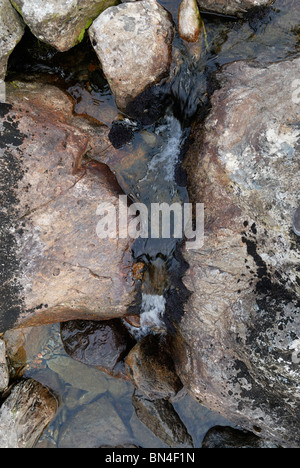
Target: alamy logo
column 296, row 91
column 2, row 91
column 160, row 221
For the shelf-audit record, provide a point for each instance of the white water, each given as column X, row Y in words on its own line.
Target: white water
column 152, row 312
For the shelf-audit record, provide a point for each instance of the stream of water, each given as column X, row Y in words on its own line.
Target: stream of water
column 266, row 36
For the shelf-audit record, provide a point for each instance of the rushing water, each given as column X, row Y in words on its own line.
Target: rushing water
column 266, row 35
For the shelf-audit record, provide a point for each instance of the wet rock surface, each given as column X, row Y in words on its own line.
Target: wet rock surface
column 4, row 375
column 227, row 437
column 48, row 216
column 161, row 418
column 94, row 425
column 60, row 24
column 189, row 20
column 235, row 348
column 150, row 367
column 232, row 7
column 25, row 414
column 104, row 345
column 11, row 32
column 138, row 53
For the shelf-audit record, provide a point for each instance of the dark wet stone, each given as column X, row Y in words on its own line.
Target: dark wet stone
column 227, row 437
column 150, row 366
column 161, row 418
column 150, row 105
column 100, row 344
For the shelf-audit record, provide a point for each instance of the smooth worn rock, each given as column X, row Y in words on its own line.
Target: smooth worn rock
column 161, row 418
column 79, row 375
column 25, row 414
column 237, row 345
column 55, row 267
column 103, row 345
column 62, row 24
column 11, row 32
column 232, row 7
column 150, row 367
column 134, row 44
column 227, row 437
column 189, row 20
column 94, row 425
column 4, row 375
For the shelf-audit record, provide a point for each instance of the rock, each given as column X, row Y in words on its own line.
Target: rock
column 232, row 7
column 150, row 367
column 11, row 32
column 227, row 437
column 161, row 418
column 236, row 346
column 189, row 20
column 138, row 51
column 103, row 345
column 48, row 216
column 93, row 426
column 23, row 345
column 60, row 24
column 25, row 414
column 4, row 375
column 79, row 375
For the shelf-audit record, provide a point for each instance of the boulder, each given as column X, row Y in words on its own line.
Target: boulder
column 232, row 7
column 4, row 375
column 25, row 414
column 11, row 32
column 134, row 44
column 61, row 24
column 56, row 268
column 103, row 345
column 237, row 345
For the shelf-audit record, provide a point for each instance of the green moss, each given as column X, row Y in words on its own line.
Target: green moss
column 16, row 7
column 82, row 34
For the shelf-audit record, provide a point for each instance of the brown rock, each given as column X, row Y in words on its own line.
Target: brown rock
column 55, row 266
column 236, row 345
column 161, row 418
column 100, row 344
column 150, row 367
column 25, row 414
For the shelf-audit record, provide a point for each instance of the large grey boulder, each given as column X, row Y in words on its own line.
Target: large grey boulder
column 11, row 32
column 232, row 7
column 60, row 23
column 134, row 44
column 54, row 266
column 237, row 345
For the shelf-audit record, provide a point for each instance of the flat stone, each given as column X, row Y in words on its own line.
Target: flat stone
column 56, row 268
column 232, row 7
column 134, row 44
column 237, row 345
column 93, row 426
column 61, row 24
column 11, row 32
column 227, row 437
